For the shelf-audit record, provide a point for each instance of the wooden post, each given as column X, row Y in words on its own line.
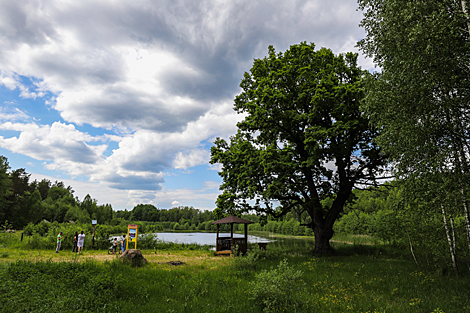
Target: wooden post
column 93, row 238
column 231, row 236
column 217, row 240
column 93, row 222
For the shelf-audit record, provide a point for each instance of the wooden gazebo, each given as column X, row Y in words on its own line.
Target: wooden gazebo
column 224, row 244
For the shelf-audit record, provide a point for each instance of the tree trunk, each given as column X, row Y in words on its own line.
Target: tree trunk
column 464, row 9
column 449, row 240
column 411, row 247
column 322, row 240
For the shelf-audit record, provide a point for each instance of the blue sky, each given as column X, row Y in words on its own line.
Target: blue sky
column 123, row 99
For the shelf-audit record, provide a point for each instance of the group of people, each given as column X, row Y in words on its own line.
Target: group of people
column 79, row 240
column 122, row 243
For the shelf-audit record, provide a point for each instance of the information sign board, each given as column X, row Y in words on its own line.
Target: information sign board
column 132, row 235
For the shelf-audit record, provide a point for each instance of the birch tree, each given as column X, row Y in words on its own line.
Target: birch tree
column 420, row 99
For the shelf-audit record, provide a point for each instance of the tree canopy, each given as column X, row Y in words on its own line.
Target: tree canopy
column 421, row 98
column 303, row 140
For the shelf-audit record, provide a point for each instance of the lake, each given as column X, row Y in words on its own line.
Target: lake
column 204, row 238
column 209, row 240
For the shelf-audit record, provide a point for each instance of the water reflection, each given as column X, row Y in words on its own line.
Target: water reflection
column 284, row 243
column 204, row 238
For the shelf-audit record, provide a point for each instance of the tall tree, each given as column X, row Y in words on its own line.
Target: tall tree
column 421, row 98
column 6, row 188
column 34, row 207
column 303, row 140
column 44, row 186
column 18, row 208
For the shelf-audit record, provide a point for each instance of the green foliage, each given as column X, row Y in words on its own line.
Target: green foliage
column 5, row 187
column 147, row 241
column 301, row 112
column 5, row 227
column 420, row 101
column 50, row 284
column 6, row 237
column 407, row 217
column 279, row 289
column 78, row 215
column 359, row 278
column 288, row 227
column 249, row 262
column 37, row 201
column 23, row 202
column 102, row 237
column 167, row 246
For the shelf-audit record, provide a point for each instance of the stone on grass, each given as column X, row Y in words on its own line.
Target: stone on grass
column 134, row 257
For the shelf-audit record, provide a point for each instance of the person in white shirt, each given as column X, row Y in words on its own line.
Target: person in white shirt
column 81, row 241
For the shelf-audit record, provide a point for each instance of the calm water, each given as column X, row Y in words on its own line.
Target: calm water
column 204, row 238
column 284, row 243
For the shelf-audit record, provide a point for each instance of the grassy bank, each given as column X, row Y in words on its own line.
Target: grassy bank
column 359, row 278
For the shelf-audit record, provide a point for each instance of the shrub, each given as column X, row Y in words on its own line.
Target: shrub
column 249, row 262
column 147, row 241
column 279, row 289
column 102, row 237
column 28, row 230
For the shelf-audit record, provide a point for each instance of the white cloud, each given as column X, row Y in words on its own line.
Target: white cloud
column 120, row 200
column 159, row 77
column 208, row 185
column 56, row 142
column 104, row 194
column 198, row 198
column 12, row 114
column 9, row 80
column 154, row 66
column 193, row 158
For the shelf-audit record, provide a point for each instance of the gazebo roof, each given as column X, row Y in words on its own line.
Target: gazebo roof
column 231, row 219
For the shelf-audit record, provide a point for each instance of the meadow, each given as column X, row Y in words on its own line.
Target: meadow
column 357, row 278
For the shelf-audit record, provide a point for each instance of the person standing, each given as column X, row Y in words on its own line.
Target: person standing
column 60, row 236
column 115, row 245
column 81, row 241
column 123, row 244
column 75, row 242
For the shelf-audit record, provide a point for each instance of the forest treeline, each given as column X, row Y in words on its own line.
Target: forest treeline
column 317, row 130
column 386, row 213
column 23, row 201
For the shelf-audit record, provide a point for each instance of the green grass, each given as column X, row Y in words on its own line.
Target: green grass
column 357, row 278
column 355, row 239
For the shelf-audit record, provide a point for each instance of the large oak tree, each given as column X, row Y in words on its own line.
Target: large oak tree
column 303, row 140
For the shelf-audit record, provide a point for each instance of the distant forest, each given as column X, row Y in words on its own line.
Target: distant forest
column 23, row 201
column 43, row 207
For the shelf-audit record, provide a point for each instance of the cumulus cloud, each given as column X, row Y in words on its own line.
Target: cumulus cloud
column 58, row 141
column 157, row 79
column 167, row 62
